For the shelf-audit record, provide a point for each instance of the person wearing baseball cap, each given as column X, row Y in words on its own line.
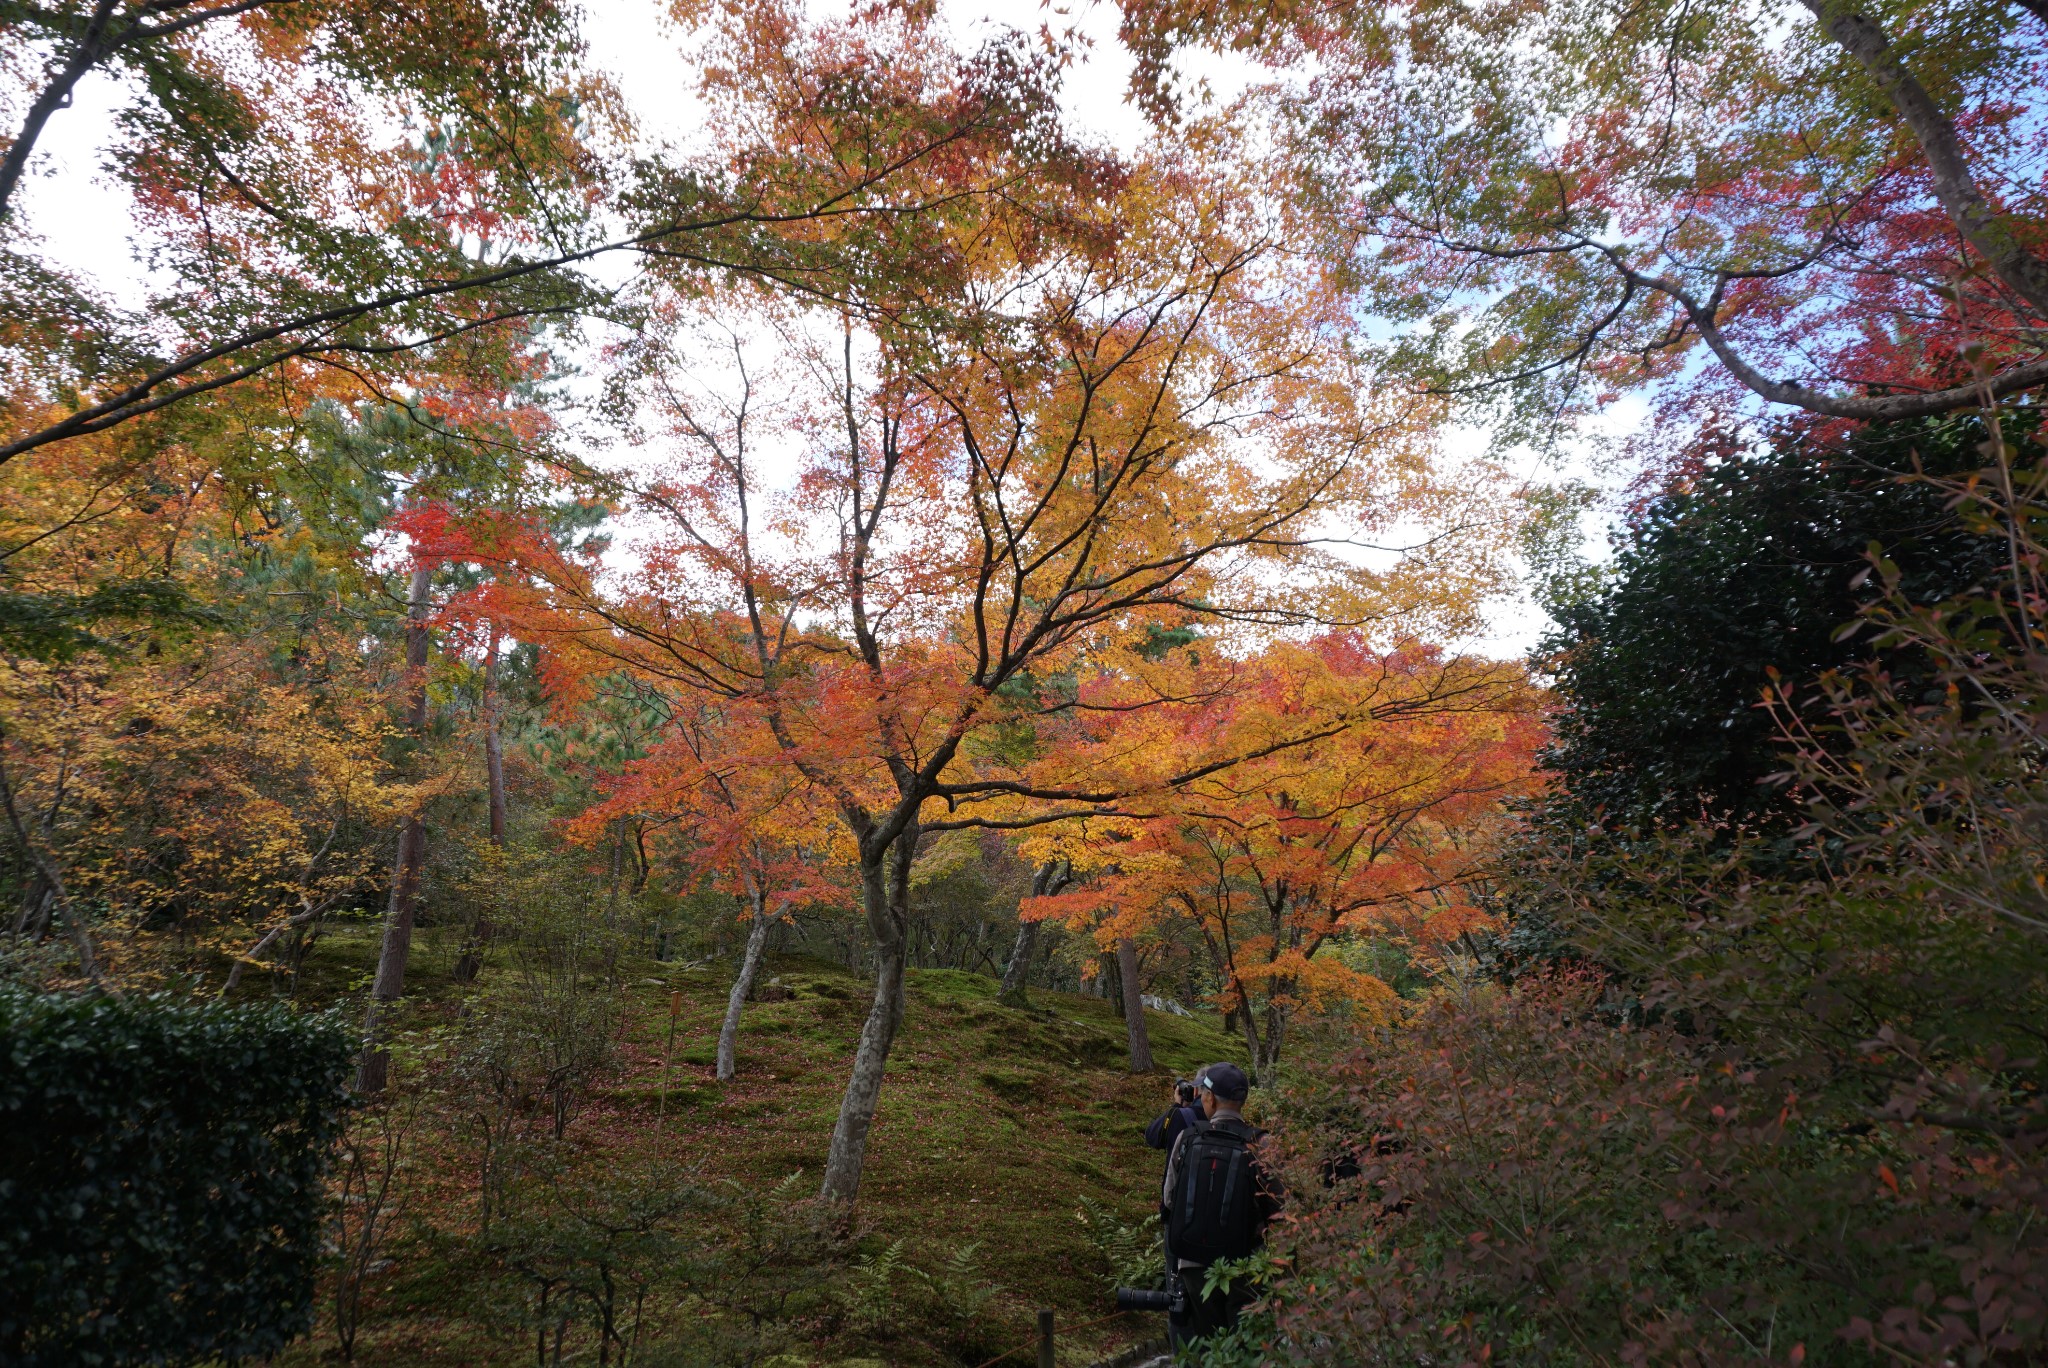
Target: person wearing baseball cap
column 1227, row 1088
column 1216, row 1202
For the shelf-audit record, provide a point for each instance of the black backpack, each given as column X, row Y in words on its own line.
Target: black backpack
column 1215, row 1204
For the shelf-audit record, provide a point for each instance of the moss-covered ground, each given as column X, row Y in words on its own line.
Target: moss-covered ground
column 995, row 1124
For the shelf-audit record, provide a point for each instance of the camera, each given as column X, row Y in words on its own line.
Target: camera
column 1174, row 1302
column 1184, row 1092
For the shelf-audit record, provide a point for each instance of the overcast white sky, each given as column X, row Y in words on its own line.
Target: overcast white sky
column 84, row 221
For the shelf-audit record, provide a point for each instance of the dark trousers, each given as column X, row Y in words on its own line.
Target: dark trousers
column 1204, row 1317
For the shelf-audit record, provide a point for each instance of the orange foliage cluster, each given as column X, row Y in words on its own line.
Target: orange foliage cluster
column 1372, row 828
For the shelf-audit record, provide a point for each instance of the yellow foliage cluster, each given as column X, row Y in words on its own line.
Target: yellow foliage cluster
column 198, row 767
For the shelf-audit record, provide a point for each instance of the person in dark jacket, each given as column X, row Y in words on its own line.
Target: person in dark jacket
column 1228, row 1220
column 1166, row 1127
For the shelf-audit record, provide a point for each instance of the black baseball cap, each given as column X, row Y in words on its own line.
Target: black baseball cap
column 1227, row 1081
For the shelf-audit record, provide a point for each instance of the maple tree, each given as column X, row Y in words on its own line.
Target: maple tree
column 310, row 180
column 713, row 786
column 289, row 167
column 996, row 499
column 1000, row 524
column 1841, row 203
column 1370, row 830
column 485, row 63
column 370, row 221
column 137, row 563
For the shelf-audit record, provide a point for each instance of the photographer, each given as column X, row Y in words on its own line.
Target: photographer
column 1216, row 1201
column 1165, row 1129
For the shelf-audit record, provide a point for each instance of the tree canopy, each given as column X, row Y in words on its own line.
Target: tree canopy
column 1838, row 204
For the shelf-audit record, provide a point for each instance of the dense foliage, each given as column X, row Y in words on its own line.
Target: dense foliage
column 1513, row 1177
column 1750, row 571
column 162, row 1175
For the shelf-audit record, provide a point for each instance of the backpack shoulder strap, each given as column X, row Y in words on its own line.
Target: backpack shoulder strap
column 1198, row 1127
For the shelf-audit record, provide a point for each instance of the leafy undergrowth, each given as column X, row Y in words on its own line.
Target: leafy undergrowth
column 998, row 1127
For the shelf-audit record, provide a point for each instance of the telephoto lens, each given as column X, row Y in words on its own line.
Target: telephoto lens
column 1143, row 1299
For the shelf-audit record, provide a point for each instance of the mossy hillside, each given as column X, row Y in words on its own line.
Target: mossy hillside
column 995, row 1123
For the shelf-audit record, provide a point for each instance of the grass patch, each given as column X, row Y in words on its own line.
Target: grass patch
column 995, row 1124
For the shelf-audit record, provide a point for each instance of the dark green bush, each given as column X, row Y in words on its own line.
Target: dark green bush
column 161, row 1176
column 1738, row 575
column 1749, row 567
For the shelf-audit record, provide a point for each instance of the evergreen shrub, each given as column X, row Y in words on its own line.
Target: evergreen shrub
column 162, row 1167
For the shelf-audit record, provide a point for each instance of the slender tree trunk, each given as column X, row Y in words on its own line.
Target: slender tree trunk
column 1253, row 1046
column 885, row 891
column 35, row 908
column 262, row 946
column 58, row 897
column 1265, row 1046
column 1268, row 1063
column 470, row 962
column 1266, row 1058
column 641, row 868
column 1229, row 984
column 374, row 1070
column 618, row 880
column 494, row 748
column 1245, row 1019
column 1049, row 878
column 743, row 986
column 1134, row 1006
column 301, row 946
column 392, row 957
column 1019, row 968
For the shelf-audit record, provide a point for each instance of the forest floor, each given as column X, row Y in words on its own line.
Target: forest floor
column 997, row 1128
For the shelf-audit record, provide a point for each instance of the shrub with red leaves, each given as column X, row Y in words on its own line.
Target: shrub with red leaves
column 1517, row 1176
